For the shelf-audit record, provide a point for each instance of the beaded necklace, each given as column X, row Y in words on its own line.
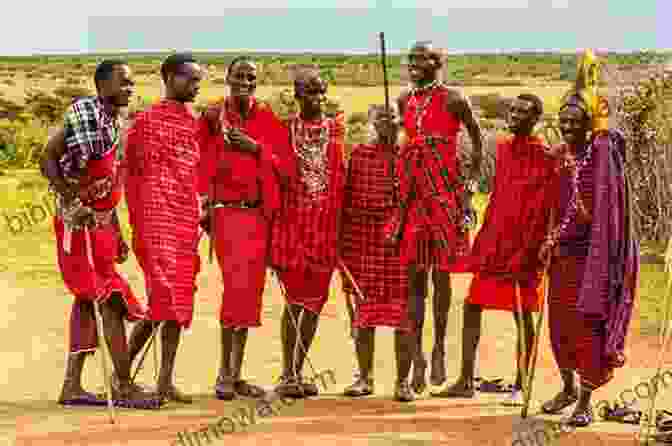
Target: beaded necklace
column 310, row 145
column 421, row 108
column 574, row 200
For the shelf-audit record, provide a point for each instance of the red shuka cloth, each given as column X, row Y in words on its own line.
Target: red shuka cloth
column 226, row 174
column 504, row 255
column 376, row 266
column 161, row 192
column 241, row 244
column 89, row 271
column 305, row 230
column 431, row 186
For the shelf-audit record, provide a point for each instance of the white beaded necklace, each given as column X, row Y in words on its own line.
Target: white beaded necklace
column 421, row 108
column 312, row 153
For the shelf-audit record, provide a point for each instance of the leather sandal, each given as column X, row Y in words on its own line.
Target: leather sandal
column 243, row 388
column 559, row 402
column 361, row 387
column 581, row 418
column 289, row 386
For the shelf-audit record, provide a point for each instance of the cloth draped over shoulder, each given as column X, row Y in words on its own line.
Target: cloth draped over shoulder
column 609, row 284
column 431, row 186
column 161, row 192
column 517, row 217
column 305, row 230
column 232, row 175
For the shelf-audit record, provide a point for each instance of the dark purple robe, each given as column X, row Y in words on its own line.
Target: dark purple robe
column 609, row 283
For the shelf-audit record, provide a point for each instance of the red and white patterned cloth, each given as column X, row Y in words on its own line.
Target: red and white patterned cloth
column 304, row 236
column 161, row 191
column 376, row 266
column 305, row 230
column 431, row 184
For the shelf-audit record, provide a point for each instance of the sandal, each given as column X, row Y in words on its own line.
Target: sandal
column 621, row 414
column 580, row 419
column 493, row 386
column 559, row 402
column 663, row 427
column 243, row 388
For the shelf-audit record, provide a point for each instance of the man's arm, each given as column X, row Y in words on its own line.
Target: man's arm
column 460, row 106
column 49, row 165
column 401, row 102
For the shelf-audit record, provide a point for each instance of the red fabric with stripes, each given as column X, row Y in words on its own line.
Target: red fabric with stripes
column 161, row 192
column 432, row 235
column 305, row 231
column 576, row 340
column 376, row 266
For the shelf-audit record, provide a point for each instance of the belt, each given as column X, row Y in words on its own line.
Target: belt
column 241, row 204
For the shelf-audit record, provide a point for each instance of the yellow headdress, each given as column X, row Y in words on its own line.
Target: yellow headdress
column 586, row 90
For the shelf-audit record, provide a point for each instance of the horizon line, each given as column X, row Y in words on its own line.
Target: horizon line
column 396, row 52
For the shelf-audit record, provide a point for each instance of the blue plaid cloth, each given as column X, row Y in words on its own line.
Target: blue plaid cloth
column 90, row 133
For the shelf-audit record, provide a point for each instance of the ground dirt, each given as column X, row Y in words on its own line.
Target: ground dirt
column 33, row 355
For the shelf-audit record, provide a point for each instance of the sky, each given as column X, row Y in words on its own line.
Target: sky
column 79, row 26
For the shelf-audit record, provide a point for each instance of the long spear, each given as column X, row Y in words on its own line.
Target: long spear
column 383, row 61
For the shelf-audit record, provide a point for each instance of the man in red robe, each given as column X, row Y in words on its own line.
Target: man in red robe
column 243, row 148
column 164, row 211
column 83, row 165
column 376, row 267
column 305, row 231
column 507, row 271
column 432, row 224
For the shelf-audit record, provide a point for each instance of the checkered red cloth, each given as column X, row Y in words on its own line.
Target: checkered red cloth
column 431, row 184
column 161, row 192
column 375, row 265
column 305, row 230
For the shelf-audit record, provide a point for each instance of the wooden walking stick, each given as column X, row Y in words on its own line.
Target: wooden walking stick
column 103, row 361
column 527, row 394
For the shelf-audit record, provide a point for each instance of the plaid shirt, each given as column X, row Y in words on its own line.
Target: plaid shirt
column 90, row 133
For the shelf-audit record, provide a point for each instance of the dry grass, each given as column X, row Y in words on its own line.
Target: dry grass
column 354, row 99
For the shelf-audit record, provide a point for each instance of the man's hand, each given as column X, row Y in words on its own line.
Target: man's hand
column 568, row 161
column 546, row 252
column 393, row 236
column 475, row 169
column 242, row 141
column 205, row 221
column 84, row 216
column 122, row 255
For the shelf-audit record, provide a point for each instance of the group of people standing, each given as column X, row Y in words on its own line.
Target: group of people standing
column 277, row 193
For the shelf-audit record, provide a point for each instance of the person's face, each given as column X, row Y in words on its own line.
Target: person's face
column 242, row 79
column 386, row 124
column 522, row 117
column 118, row 89
column 574, row 124
column 422, row 65
column 185, row 84
column 313, row 94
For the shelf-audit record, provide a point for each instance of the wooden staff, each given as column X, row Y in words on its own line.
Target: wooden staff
column 527, row 380
column 383, row 61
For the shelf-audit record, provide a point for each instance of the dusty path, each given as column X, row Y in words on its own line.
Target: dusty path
column 32, row 356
